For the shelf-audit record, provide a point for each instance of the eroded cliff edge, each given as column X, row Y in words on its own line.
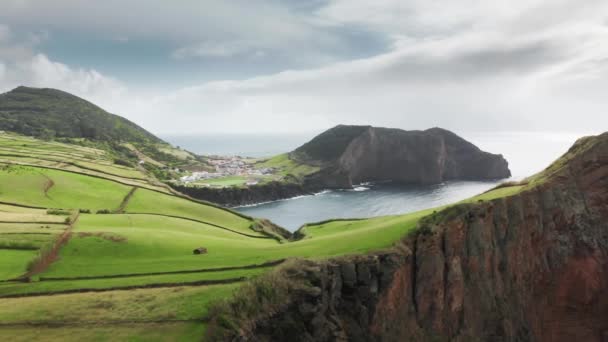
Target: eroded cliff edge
column 529, row 267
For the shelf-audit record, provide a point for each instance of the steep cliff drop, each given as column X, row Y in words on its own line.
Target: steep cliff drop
column 528, row 267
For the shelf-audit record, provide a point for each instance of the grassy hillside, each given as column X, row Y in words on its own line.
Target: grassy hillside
column 54, row 115
column 51, row 113
column 107, row 252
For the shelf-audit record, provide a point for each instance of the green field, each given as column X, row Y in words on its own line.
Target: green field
column 57, row 189
column 14, row 262
column 134, row 263
column 286, row 166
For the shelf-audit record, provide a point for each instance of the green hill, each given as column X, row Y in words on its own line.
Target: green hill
column 50, row 113
column 54, row 115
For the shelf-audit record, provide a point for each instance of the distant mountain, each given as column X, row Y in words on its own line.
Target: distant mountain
column 353, row 154
column 50, row 113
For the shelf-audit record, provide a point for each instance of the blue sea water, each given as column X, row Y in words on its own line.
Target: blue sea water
column 526, row 152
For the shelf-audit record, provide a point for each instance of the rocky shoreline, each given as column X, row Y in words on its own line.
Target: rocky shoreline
column 254, row 194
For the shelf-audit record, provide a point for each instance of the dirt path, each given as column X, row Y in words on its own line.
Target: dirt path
column 46, row 259
column 125, row 201
column 47, row 185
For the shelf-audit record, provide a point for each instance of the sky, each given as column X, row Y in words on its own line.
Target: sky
column 267, row 66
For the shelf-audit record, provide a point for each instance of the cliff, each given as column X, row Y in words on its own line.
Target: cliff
column 236, row 196
column 529, row 267
column 356, row 154
column 348, row 155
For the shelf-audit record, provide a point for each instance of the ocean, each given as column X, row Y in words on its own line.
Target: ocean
column 526, row 152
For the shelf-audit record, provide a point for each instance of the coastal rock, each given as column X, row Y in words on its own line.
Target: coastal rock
column 529, row 267
column 237, row 196
column 414, row 157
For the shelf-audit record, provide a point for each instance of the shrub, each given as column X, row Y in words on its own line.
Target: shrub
column 58, row 212
column 257, row 299
column 23, row 245
column 123, row 162
column 104, row 211
column 84, row 211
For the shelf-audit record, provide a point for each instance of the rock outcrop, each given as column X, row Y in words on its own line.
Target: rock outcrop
column 349, row 155
column 237, row 196
column 529, row 267
column 364, row 153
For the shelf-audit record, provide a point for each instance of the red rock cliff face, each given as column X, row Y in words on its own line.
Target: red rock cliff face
column 530, row 267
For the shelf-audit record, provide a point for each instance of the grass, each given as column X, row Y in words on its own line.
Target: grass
column 163, row 314
column 497, row 193
column 153, row 244
column 51, row 286
column 133, row 332
column 177, row 303
column 178, row 153
column 27, row 241
column 146, row 201
column 58, row 189
column 164, row 244
column 286, row 166
column 14, row 262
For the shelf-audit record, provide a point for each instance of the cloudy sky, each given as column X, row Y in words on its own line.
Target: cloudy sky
column 294, row 66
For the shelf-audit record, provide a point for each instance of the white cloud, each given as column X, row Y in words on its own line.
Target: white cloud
column 5, row 33
column 464, row 65
column 196, row 27
column 21, row 64
column 213, row 49
column 496, row 77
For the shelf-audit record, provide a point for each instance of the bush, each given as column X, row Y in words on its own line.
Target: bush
column 58, row 212
column 104, row 211
column 84, row 211
column 23, row 245
column 257, row 299
column 123, row 162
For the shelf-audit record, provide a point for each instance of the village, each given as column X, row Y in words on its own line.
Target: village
column 229, row 166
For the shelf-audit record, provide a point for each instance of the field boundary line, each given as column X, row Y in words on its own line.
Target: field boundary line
column 203, row 222
column 129, row 287
column 204, row 270
column 169, row 193
column 22, row 205
column 73, row 164
column 168, row 188
column 9, row 248
column 125, row 200
column 35, row 222
column 60, row 324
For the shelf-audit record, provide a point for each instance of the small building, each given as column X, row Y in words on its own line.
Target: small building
column 200, row 250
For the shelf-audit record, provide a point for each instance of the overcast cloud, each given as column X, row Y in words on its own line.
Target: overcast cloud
column 264, row 66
